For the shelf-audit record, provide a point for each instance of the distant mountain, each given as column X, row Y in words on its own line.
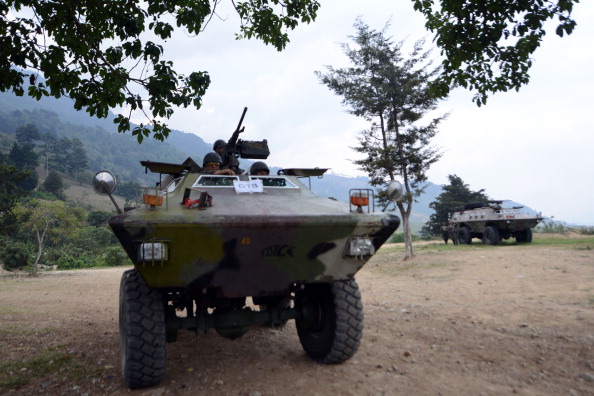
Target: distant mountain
column 61, row 107
column 120, row 153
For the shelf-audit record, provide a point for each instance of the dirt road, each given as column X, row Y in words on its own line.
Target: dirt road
column 475, row 321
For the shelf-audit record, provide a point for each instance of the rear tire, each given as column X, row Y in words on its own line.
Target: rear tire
column 524, row 236
column 491, row 236
column 142, row 332
column 464, row 236
column 331, row 325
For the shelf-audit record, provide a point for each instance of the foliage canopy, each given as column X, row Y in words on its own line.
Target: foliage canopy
column 101, row 52
column 488, row 44
column 46, row 220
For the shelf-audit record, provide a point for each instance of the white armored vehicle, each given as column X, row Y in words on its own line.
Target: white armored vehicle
column 491, row 222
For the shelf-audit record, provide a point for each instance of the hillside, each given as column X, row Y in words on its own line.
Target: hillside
column 121, row 153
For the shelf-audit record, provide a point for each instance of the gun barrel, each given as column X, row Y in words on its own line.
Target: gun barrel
column 233, row 141
column 241, row 119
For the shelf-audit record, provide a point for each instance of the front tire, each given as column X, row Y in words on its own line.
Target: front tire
column 142, row 332
column 464, row 236
column 331, row 325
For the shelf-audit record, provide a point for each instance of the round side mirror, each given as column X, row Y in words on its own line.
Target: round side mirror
column 395, row 191
column 104, row 183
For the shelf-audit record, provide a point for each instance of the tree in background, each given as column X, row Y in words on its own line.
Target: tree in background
column 453, row 196
column 392, row 94
column 488, row 45
column 11, row 179
column 60, row 154
column 49, row 142
column 53, row 184
column 128, row 190
column 27, row 134
column 78, row 160
column 26, row 160
column 23, row 156
column 67, row 155
column 97, row 51
column 46, row 220
column 98, row 218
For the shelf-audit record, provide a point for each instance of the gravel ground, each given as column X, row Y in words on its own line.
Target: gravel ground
column 476, row 321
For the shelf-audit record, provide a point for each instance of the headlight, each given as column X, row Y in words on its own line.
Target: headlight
column 152, row 251
column 360, row 246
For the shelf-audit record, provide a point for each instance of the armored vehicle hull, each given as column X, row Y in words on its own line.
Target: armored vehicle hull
column 204, row 245
column 491, row 223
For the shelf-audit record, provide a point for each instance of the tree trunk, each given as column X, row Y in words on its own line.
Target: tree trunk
column 40, row 240
column 405, row 214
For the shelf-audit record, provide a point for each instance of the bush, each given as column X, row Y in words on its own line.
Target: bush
column 17, row 255
column 551, row 227
column 66, row 261
column 84, row 177
column 50, row 256
column 98, row 218
column 91, row 239
column 115, row 256
column 39, row 194
column 53, row 184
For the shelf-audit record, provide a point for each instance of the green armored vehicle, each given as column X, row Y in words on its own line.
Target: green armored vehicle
column 226, row 252
column 491, row 222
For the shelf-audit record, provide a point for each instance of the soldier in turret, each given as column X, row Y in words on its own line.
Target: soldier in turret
column 212, row 165
column 259, row 168
column 219, row 147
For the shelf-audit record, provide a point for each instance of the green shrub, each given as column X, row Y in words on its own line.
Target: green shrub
column 84, row 177
column 115, row 256
column 53, row 184
column 50, row 256
column 67, row 261
column 91, row 239
column 98, row 218
column 43, row 195
column 551, row 227
column 587, row 231
column 16, row 255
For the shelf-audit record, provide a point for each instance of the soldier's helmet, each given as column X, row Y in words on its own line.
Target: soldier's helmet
column 259, row 166
column 219, row 143
column 211, row 157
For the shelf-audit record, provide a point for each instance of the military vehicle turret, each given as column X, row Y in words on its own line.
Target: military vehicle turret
column 491, row 222
column 225, row 252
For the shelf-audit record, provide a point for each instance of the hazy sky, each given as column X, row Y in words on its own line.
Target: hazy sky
column 534, row 146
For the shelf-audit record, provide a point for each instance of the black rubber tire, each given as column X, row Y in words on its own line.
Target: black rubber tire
column 464, row 236
column 334, row 334
column 491, row 236
column 528, row 235
column 142, row 332
column 524, row 236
